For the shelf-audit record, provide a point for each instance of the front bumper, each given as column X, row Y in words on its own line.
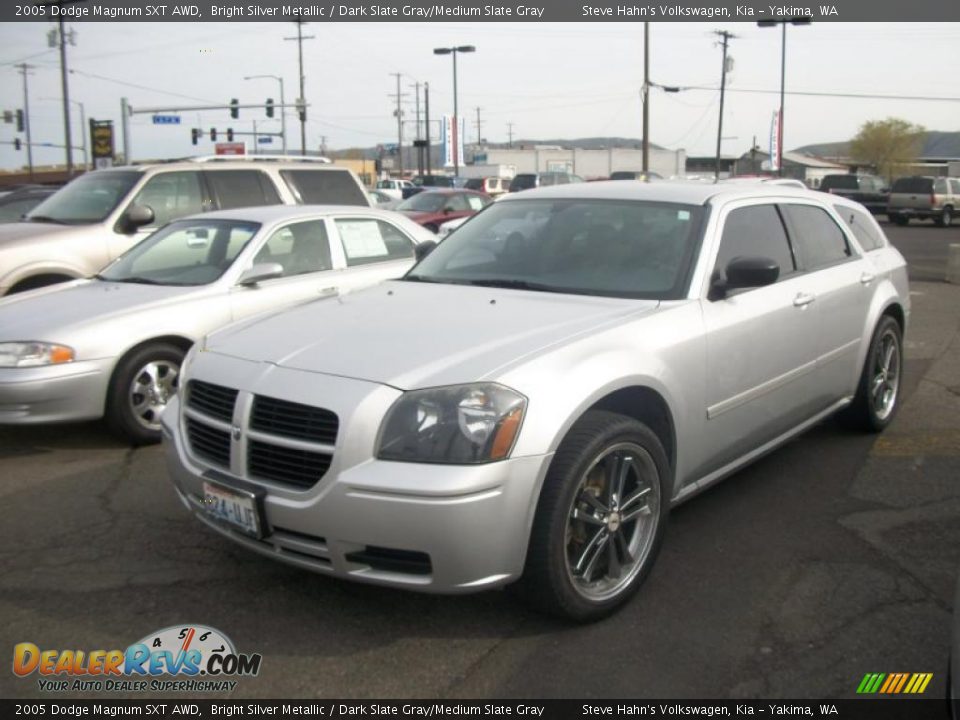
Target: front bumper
column 53, row 393
column 456, row 528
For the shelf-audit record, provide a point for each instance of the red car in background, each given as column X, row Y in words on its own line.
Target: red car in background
column 430, row 208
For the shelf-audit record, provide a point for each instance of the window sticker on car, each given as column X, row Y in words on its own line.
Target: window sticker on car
column 361, row 239
column 683, row 214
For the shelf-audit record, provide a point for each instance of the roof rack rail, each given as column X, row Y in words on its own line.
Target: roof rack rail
column 264, row 158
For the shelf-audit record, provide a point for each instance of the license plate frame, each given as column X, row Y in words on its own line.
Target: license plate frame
column 235, row 508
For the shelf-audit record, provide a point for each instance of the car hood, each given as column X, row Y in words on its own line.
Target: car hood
column 52, row 313
column 409, row 335
column 18, row 233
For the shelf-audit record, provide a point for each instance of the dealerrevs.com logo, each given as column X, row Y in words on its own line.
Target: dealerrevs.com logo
column 197, row 657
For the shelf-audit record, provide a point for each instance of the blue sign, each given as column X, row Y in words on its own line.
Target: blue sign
column 265, row 140
column 166, row 119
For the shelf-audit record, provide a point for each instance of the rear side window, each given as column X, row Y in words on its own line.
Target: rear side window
column 324, row 187
column 755, row 231
column 918, row 185
column 862, row 227
column 955, row 187
column 818, row 239
column 940, row 186
column 366, row 241
column 242, row 188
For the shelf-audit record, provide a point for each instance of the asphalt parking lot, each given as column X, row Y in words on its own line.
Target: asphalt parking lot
column 833, row 557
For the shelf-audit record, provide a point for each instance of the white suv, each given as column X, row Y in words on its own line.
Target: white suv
column 101, row 214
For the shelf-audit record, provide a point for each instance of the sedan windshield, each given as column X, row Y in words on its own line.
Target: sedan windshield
column 593, row 247
column 88, row 199
column 187, row 252
column 424, row 202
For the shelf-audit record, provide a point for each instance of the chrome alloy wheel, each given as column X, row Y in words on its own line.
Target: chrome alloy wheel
column 152, row 387
column 885, row 376
column 612, row 521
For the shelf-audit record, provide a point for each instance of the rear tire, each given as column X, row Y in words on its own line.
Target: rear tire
column 878, row 393
column 946, row 218
column 142, row 384
column 600, row 519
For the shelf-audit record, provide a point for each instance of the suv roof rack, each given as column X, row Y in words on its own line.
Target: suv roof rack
column 263, row 158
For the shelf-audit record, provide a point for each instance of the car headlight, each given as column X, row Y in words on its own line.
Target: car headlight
column 458, row 424
column 33, row 354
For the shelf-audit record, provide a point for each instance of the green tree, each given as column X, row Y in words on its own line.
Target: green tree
column 888, row 145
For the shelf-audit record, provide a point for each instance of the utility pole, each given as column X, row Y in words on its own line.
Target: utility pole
column 723, row 85
column 66, row 91
column 125, row 129
column 479, row 139
column 510, row 134
column 426, row 121
column 416, row 134
column 302, row 100
column 399, row 113
column 24, row 70
column 646, row 97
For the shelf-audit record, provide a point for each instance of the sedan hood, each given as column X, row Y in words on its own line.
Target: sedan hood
column 53, row 313
column 411, row 335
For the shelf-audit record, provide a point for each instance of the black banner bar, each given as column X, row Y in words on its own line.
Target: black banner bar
column 873, row 709
column 426, row 11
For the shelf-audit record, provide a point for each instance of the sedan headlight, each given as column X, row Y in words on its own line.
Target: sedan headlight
column 458, row 424
column 33, row 354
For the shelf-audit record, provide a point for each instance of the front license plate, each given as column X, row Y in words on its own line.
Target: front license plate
column 235, row 508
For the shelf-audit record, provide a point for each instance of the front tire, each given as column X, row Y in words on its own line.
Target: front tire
column 142, row 384
column 600, row 519
column 878, row 394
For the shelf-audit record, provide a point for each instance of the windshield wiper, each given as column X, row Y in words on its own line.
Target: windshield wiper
column 45, row 219
column 516, row 285
column 132, row 279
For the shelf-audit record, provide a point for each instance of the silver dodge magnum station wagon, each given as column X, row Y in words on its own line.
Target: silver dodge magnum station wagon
column 526, row 404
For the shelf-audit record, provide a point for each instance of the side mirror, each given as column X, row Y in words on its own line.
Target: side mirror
column 746, row 272
column 258, row 273
column 423, row 249
column 137, row 216
column 447, row 210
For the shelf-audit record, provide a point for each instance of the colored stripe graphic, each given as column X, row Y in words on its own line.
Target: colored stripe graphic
column 894, row 683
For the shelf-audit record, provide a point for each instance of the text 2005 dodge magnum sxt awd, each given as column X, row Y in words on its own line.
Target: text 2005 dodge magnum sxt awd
column 528, row 402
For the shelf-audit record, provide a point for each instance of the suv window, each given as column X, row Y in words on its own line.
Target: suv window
column 524, row 181
column 862, row 227
column 474, row 184
column 755, row 231
column 324, row 187
column 172, row 195
column 242, row 188
column 299, row 248
column 955, row 186
column 940, row 186
column 916, row 185
column 366, row 241
column 819, row 240
column 839, row 182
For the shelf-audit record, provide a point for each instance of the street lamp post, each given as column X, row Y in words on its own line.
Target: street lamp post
column 800, row 20
column 283, row 112
column 456, row 117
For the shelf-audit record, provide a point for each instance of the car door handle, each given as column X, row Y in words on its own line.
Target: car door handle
column 803, row 299
column 329, row 291
column 866, row 278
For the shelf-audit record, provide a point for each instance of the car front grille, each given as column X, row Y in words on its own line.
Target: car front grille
column 215, row 401
column 274, row 440
column 293, row 420
column 208, row 443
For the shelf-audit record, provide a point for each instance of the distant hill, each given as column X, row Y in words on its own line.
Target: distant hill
column 589, row 143
column 937, row 146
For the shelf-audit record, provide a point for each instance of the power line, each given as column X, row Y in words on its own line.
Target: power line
column 74, row 71
column 863, row 96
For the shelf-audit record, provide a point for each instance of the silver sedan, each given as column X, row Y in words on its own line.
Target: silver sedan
column 527, row 403
column 112, row 345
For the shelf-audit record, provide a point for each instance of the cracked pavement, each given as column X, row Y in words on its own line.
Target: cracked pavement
column 832, row 557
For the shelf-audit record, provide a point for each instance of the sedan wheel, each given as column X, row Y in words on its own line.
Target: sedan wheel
column 600, row 518
column 140, row 389
column 878, row 393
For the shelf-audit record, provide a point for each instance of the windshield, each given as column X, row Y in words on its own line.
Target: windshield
column 592, row 247
column 424, row 202
column 186, row 252
column 88, row 199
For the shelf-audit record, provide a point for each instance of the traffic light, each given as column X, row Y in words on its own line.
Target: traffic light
column 20, row 121
column 234, row 109
column 16, row 143
column 213, row 134
column 229, row 134
column 194, row 135
column 270, row 107
column 302, row 109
